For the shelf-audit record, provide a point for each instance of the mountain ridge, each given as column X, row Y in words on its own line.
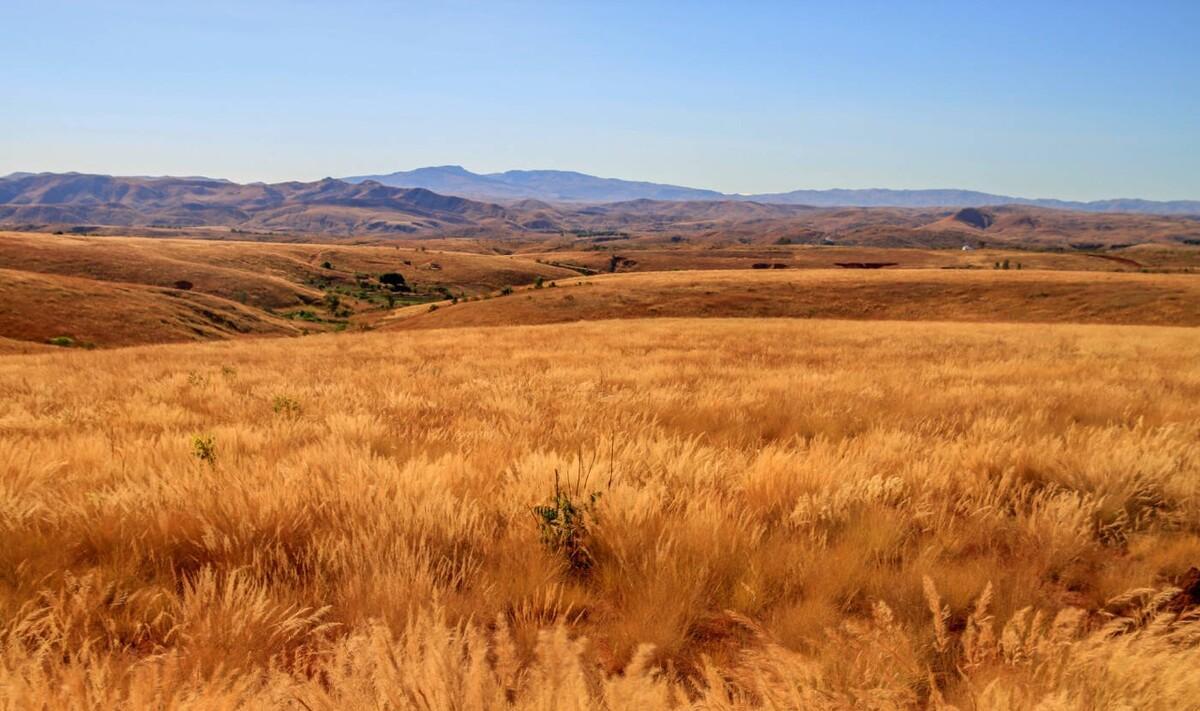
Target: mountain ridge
column 334, row 209
column 573, row 186
column 325, row 206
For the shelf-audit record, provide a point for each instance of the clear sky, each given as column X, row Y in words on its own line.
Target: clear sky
column 1078, row 100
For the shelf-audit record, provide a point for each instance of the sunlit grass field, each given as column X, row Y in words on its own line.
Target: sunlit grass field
column 667, row 513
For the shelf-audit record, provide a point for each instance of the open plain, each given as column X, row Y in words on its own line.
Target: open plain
column 599, row 356
column 648, row 513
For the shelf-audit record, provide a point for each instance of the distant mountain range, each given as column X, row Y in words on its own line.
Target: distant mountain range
column 81, row 203
column 569, row 186
column 548, row 185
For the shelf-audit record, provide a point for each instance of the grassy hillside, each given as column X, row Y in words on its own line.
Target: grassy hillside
column 741, row 513
column 110, row 291
column 88, row 313
column 911, row 294
column 121, row 291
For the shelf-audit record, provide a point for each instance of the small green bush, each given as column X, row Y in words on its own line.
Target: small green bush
column 394, row 281
column 204, row 448
column 285, row 406
column 564, row 526
column 62, row 341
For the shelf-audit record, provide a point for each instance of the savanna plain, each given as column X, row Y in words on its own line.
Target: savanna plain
column 618, row 514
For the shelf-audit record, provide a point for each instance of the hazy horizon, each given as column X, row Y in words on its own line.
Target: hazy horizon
column 635, row 179
column 1084, row 102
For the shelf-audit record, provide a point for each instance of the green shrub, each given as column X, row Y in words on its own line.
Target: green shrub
column 204, row 448
column 285, row 406
column 564, row 525
column 62, row 341
column 394, row 281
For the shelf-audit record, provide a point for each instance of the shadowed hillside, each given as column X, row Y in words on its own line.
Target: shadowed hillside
column 327, row 206
column 85, row 313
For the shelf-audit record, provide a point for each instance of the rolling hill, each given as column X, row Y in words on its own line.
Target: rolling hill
column 87, row 312
column 116, row 291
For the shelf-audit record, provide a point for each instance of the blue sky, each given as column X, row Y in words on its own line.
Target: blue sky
column 1072, row 100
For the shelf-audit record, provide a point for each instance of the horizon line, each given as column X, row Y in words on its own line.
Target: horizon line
column 742, row 195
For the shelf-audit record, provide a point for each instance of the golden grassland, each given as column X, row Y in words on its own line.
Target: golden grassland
column 903, row 294
column 788, row 514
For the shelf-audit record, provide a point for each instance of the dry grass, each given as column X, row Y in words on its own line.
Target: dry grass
column 908, row 294
column 9, row 346
column 37, row 307
column 791, row 514
column 262, row 274
column 117, row 291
